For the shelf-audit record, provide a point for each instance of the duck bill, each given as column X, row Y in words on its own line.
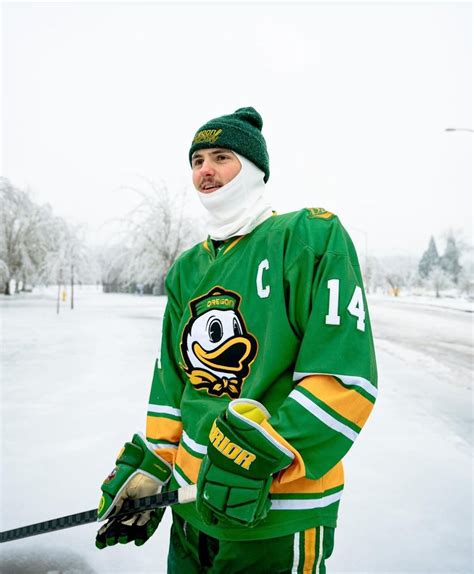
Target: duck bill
column 228, row 357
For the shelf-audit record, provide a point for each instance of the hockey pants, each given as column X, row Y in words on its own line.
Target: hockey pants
column 193, row 552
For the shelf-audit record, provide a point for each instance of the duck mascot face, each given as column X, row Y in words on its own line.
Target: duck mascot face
column 216, row 346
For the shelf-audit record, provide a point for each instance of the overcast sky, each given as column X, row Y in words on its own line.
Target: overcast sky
column 355, row 100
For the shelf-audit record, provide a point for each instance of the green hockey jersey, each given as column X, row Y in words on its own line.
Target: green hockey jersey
column 279, row 316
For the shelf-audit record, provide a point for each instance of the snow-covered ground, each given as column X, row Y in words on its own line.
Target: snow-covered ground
column 75, row 387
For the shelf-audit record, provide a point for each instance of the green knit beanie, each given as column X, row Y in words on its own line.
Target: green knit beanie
column 240, row 132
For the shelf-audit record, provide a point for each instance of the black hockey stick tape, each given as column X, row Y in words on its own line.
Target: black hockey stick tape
column 180, row 496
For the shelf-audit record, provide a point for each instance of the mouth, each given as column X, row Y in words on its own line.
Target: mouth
column 209, row 186
column 228, row 357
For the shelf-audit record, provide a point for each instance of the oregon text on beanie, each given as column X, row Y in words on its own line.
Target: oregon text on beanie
column 240, row 132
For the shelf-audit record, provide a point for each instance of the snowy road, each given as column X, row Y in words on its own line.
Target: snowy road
column 441, row 333
column 438, row 343
column 74, row 388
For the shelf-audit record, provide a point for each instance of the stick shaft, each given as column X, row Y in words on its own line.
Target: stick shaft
column 182, row 495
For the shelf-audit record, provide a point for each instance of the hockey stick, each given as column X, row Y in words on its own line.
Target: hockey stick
column 180, row 496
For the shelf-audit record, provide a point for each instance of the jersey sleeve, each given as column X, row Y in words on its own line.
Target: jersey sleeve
column 335, row 373
column 163, row 423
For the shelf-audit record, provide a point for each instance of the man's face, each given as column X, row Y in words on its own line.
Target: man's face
column 213, row 168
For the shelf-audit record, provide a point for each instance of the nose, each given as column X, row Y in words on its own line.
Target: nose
column 206, row 168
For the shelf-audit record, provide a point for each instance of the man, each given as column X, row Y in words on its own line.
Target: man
column 267, row 376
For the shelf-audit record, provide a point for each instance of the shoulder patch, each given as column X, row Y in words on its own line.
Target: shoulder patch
column 319, row 212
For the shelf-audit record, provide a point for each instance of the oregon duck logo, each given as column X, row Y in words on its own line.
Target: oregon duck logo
column 216, row 346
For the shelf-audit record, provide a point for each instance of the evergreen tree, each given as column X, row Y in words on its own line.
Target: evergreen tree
column 450, row 260
column 429, row 260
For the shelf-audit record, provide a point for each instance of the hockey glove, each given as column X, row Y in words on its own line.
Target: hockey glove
column 139, row 472
column 236, row 473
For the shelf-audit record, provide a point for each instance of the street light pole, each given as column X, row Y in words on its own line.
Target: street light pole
column 459, row 130
column 366, row 243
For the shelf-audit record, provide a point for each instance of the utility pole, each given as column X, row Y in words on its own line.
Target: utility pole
column 72, row 285
column 459, row 130
column 60, row 280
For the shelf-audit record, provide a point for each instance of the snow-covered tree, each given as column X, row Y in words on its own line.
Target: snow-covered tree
column 36, row 246
column 67, row 259
column 399, row 271
column 449, row 261
column 158, row 230
column 113, row 261
column 373, row 274
column 465, row 284
column 4, row 272
column 438, row 280
column 429, row 260
column 24, row 235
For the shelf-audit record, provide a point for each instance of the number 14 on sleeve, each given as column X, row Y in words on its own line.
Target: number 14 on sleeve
column 355, row 307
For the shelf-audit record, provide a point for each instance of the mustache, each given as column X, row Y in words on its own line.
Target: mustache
column 208, row 182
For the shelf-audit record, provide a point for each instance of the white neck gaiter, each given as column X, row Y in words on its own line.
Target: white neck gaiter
column 238, row 206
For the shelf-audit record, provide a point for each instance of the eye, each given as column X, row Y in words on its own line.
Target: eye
column 237, row 327
column 197, row 162
column 215, row 330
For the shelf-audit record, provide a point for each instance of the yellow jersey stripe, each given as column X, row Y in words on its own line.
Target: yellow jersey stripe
column 233, row 243
column 163, row 428
column 297, row 468
column 345, row 402
column 188, row 463
column 168, row 454
column 332, row 479
column 309, row 549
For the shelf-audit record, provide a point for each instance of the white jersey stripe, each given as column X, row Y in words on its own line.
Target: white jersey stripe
column 322, row 415
column 296, row 553
column 155, row 445
column 192, row 444
column 305, row 504
column 359, row 382
column 320, row 549
column 364, row 384
column 179, row 479
column 165, row 410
